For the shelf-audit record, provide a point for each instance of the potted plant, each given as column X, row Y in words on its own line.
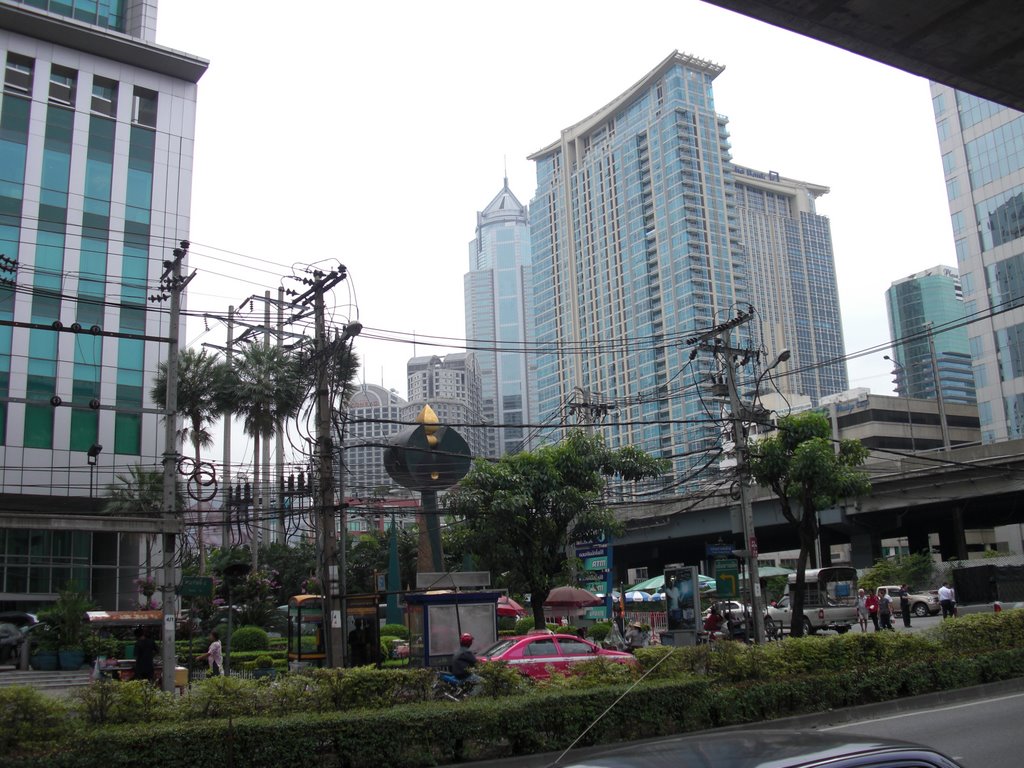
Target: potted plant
column 66, row 619
column 43, row 654
column 264, row 666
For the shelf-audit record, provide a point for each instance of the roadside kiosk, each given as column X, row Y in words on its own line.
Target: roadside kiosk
column 306, row 647
column 437, row 619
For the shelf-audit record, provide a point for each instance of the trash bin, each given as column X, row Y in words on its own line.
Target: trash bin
column 180, row 679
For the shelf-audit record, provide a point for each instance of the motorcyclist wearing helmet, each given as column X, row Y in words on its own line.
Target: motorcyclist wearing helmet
column 462, row 663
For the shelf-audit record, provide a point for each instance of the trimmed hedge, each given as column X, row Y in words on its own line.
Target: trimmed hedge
column 350, row 717
column 437, row 733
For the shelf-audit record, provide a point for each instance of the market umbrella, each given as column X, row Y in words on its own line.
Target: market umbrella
column 658, row 583
column 571, row 597
column 509, row 607
column 637, row 596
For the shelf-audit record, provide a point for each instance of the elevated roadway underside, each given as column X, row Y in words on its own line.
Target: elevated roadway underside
column 912, row 497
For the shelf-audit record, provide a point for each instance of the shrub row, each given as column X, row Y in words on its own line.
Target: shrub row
column 431, row 734
column 350, row 715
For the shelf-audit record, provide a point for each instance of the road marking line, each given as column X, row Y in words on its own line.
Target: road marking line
column 923, row 712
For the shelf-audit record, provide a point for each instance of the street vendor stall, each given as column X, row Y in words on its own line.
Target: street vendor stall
column 121, row 623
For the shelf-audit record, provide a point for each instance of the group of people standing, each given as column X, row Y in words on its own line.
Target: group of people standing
column 877, row 606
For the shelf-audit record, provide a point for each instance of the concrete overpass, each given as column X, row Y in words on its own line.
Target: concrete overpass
column 912, row 496
column 973, row 45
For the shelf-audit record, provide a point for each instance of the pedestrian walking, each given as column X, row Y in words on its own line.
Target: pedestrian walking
column 871, row 601
column 885, row 610
column 214, row 655
column 946, row 601
column 862, row 610
column 904, row 595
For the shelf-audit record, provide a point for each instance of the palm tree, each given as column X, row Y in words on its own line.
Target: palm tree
column 140, row 493
column 264, row 387
column 197, row 403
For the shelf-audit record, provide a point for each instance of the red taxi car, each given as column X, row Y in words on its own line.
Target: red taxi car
column 536, row 654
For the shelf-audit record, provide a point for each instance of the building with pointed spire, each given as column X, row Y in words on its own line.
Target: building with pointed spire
column 499, row 315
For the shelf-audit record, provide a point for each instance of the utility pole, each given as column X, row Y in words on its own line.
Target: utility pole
column 282, row 515
column 327, row 535
column 173, row 283
column 720, row 334
column 906, row 394
column 943, row 423
column 225, row 496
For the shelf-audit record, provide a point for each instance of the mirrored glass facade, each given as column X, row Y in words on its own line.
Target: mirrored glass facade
column 95, row 186
column 982, row 146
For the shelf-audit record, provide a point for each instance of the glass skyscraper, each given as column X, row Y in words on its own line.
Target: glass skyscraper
column 926, row 311
column 982, row 147
column 499, row 316
column 636, row 249
column 788, row 246
column 96, row 132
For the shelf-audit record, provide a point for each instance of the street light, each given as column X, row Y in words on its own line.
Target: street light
column 910, row 418
column 91, row 456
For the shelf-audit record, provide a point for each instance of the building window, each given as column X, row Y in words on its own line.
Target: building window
column 104, row 96
column 18, row 75
column 63, row 82
column 144, row 107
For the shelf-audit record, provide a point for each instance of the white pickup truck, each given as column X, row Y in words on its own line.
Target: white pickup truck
column 830, row 602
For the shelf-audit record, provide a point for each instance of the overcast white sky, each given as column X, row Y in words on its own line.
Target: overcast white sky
column 372, row 133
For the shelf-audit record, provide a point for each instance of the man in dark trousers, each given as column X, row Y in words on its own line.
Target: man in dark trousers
column 904, row 594
column 145, row 651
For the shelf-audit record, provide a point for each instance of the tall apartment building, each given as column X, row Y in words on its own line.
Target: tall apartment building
column 373, row 415
column 926, row 324
column 499, row 320
column 788, row 246
column 982, row 145
column 636, row 249
column 96, row 133
column 452, row 387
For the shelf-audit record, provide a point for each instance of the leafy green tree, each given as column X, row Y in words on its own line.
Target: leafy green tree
column 264, row 386
column 522, row 512
column 800, row 463
column 199, row 373
column 917, row 570
column 294, row 565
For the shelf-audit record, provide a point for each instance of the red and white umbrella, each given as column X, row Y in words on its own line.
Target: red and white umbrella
column 572, row 597
column 509, row 607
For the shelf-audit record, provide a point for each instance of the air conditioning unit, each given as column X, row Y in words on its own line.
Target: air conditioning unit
column 636, row 575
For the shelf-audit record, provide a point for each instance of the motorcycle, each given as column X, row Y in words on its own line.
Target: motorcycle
column 448, row 686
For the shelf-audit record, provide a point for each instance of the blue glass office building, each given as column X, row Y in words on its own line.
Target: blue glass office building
column 499, row 315
column 926, row 311
column 982, row 147
column 635, row 249
column 96, row 131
